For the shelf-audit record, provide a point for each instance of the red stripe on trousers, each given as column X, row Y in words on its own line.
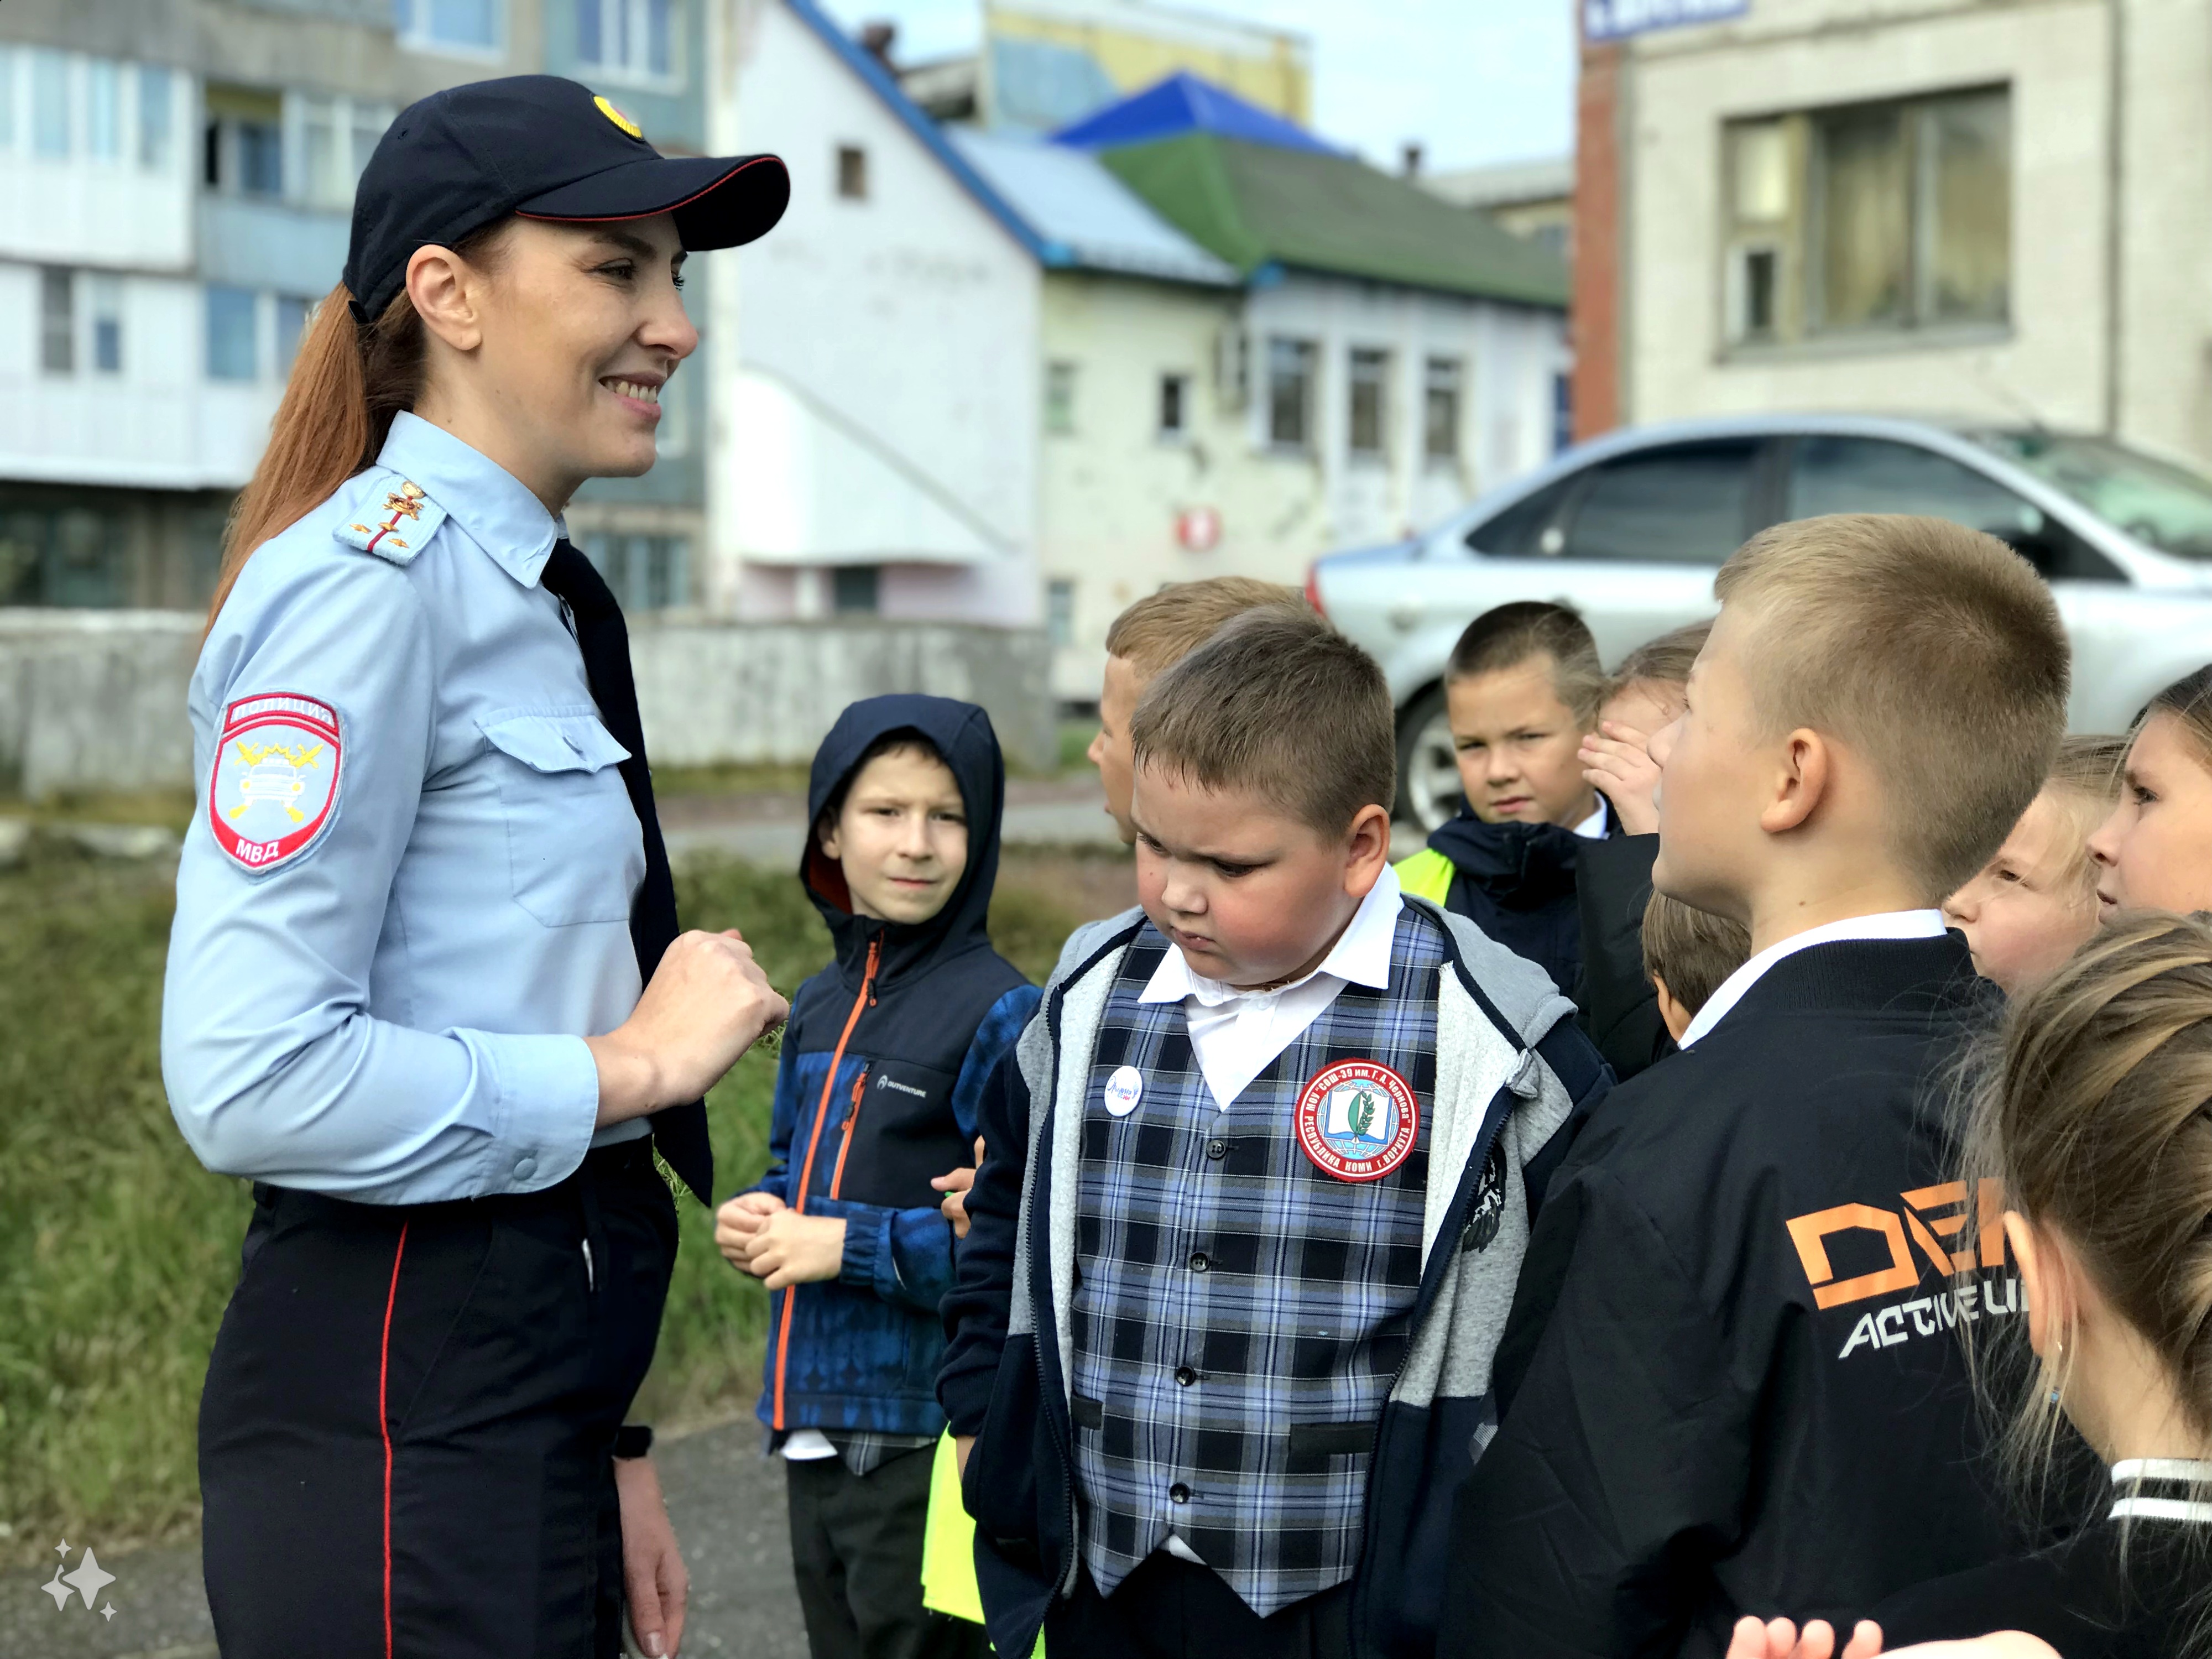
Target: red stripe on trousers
column 384, row 1425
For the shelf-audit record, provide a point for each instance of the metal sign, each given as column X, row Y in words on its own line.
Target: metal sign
column 1616, row 19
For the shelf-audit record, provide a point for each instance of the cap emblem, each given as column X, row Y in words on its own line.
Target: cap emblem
column 619, row 118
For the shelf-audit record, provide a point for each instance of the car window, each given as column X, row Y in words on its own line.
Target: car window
column 1829, row 474
column 1677, row 504
column 1527, row 529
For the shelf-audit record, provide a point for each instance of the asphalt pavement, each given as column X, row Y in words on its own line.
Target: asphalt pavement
column 726, row 1499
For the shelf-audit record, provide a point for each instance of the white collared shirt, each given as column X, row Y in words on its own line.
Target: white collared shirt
column 1593, row 827
column 1884, row 925
column 1236, row 1034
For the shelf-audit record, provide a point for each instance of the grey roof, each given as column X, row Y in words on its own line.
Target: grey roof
column 1506, row 184
column 1069, row 198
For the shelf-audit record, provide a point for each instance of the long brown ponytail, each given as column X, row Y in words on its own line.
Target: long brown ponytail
column 348, row 380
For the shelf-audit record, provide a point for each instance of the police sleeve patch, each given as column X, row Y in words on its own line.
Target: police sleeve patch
column 274, row 789
column 397, row 527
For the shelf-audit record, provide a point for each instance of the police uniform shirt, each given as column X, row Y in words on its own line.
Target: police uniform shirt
column 405, row 898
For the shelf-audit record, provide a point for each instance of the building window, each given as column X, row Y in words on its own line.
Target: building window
column 470, row 25
column 292, row 314
column 1175, row 405
column 231, row 317
column 1059, row 613
column 103, row 110
column 1290, row 393
column 50, row 103
column 76, row 556
column 105, row 305
column 1563, row 412
column 336, row 138
column 1370, row 388
column 1440, row 396
column 156, row 120
column 852, row 172
column 1870, row 218
column 646, row 573
column 58, row 320
column 1060, row 398
column 245, row 141
column 856, row 590
column 632, row 37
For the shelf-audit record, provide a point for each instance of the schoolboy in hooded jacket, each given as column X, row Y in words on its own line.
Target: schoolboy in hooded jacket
column 883, row 1063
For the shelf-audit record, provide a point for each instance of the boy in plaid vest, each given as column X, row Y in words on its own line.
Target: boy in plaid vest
column 1259, row 1178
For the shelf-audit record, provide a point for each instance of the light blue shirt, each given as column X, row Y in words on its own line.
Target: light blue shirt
column 405, row 898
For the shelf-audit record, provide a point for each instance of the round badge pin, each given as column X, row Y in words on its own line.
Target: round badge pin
column 1124, row 1089
column 1358, row 1120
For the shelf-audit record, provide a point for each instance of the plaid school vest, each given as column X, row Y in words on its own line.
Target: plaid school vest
column 1240, row 1312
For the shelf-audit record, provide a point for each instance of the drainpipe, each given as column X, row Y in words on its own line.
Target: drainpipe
column 2115, row 176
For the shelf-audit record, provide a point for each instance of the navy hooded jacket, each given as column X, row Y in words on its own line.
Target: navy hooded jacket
column 883, row 1062
column 1517, row 881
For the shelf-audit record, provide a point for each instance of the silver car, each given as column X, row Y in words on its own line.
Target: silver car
column 1629, row 529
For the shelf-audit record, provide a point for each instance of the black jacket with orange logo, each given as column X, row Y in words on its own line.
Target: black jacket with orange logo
column 1731, row 1381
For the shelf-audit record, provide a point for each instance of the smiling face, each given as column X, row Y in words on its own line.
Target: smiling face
column 1516, row 743
column 1249, row 894
column 2154, row 852
column 2028, row 908
column 552, row 356
column 901, row 836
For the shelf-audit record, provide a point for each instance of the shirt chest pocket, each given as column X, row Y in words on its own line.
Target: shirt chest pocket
column 573, row 848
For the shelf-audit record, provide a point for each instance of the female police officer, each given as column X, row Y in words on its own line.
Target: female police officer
column 423, row 887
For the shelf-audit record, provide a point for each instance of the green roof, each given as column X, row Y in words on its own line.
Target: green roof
column 1257, row 204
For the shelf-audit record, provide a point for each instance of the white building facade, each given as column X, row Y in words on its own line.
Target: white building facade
column 878, row 439
column 1992, row 208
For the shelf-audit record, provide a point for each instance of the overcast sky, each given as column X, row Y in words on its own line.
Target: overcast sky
column 1474, row 80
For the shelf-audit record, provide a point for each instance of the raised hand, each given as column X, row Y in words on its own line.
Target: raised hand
column 1617, row 762
column 954, row 1184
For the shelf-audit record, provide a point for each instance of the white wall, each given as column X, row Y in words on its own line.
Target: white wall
column 1509, row 354
column 1113, row 487
column 1804, row 54
column 885, row 410
column 159, row 422
column 83, row 207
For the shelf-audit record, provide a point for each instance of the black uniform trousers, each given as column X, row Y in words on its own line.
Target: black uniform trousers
column 406, row 1437
column 1168, row 1608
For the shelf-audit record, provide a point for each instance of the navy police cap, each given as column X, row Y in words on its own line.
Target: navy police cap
column 544, row 148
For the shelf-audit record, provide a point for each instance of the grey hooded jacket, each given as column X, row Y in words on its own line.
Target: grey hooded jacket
column 1511, row 1067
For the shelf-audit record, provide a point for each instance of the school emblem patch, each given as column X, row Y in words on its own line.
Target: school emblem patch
column 1358, row 1120
column 275, row 786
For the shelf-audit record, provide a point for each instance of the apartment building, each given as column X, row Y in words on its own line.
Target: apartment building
column 1992, row 208
column 176, row 178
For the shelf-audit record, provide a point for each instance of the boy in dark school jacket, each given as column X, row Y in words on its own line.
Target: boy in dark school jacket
column 1521, row 689
column 1256, row 1188
column 1731, row 1382
column 883, row 1063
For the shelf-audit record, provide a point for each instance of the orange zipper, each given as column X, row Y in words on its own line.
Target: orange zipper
column 852, row 1116
column 813, row 1144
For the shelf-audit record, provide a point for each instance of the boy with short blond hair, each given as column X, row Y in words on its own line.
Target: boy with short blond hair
column 1255, row 1193
column 1731, row 1385
column 1152, row 636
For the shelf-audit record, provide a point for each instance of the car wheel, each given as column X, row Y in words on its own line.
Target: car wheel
column 1428, row 766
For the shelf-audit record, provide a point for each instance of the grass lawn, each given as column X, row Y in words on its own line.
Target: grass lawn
column 118, row 1251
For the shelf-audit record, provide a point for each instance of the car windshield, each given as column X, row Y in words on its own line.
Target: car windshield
column 2161, row 505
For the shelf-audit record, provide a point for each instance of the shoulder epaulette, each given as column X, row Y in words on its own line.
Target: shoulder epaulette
column 398, row 527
